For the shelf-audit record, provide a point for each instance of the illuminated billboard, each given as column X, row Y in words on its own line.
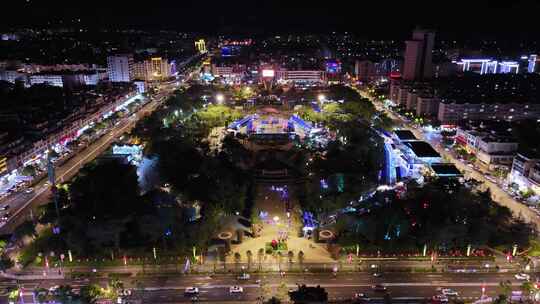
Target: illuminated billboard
column 333, row 67
column 268, row 73
column 230, row 50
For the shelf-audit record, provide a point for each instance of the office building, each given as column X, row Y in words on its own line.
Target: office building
column 364, row 70
column 120, row 68
column 418, row 55
column 153, row 69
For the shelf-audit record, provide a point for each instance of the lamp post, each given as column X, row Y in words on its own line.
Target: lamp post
column 220, row 98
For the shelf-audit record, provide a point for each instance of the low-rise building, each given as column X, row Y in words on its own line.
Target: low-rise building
column 68, row 79
column 427, row 105
column 301, row 76
column 525, row 173
column 12, row 76
column 491, row 148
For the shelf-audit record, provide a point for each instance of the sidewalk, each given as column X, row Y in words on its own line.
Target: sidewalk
column 365, row 265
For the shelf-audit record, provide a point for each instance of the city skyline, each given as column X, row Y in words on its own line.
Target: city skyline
column 460, row 19
column 269, row 152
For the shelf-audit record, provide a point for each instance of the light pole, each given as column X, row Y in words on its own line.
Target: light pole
column 220, row 98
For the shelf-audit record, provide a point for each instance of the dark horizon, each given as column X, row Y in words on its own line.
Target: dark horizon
column 373, row 20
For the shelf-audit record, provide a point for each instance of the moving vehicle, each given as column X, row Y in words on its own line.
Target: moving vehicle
column 522, row 276
column 379, row 287
column 6, row 216
column 244, row 276
column 449, row 292
column 360, row 296
column 191, row 290
column 53, row 289
column 236, row 289
column 4, row 208
column 440, row 298
column 29, row 190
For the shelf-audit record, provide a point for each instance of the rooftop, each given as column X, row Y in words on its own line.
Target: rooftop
column 445, row 169
column 422, row 149
column 490, row 89
column 404, row 135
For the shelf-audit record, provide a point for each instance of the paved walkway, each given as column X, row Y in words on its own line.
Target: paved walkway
column 271, row 201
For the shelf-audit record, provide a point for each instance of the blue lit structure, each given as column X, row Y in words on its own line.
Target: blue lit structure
column 230, row 50
column 333, row 67
column 309, row 222
column 241, row 122
column 297, row 121
column 531, row 68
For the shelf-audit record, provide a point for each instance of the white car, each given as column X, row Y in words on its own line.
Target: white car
column 29, row 190
column 449, row 292
column 192, row 290
column 522, row 276
column 54, row 288
column 236, row 289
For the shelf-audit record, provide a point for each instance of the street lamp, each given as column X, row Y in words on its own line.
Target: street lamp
column 321, row 97
column 220, row 98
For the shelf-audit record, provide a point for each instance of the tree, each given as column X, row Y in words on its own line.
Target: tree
column 301, row 258
column 29, row 170
column 42, row 295
column 104, row 204
column 249, row 256
column 27, row 228
column 282, row 292
column 273, row 300
column 501, row 299
column 309, row 294
column 265, row 290
column 139, row 285
column 237, row 259
column 260, row 255
column 116, row 284
column 505, row 288
column 290, row 255
column 64, row 294
column 527, row 288
column 91, row 293
column 5, row 263
column 279, row 257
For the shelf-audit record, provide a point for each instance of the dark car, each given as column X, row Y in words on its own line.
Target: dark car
column 379, row 288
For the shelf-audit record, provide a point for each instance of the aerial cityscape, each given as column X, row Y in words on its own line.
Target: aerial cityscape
column 269, row 152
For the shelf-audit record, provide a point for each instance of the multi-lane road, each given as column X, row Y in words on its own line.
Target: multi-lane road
column 403, row 287
column 21, row 203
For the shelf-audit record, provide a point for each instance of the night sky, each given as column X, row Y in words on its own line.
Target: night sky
column 372, row 19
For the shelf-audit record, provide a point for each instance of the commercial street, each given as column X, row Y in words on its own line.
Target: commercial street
column 498, row 195
column 401, row 286
column 21, row 203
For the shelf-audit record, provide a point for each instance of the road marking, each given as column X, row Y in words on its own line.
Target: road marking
column 344, row 285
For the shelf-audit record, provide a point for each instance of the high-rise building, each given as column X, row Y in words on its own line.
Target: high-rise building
column 153, row 69
column 160, row 68
column 200, row 45
column 364, row 70
column 418, row 52
column 120, row 68
column 533, row 64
